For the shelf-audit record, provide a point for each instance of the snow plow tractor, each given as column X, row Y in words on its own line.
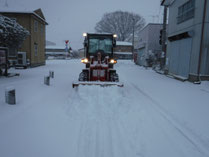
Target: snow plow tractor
column 99, row 61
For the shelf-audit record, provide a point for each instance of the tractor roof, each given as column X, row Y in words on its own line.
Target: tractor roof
column 100, row 34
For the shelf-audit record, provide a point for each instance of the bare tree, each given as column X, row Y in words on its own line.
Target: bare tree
column 120, row 23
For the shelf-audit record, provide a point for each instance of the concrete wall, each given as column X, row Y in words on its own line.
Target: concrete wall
column 153, row 39
column 149, row 37
column 143, row 37
column 149, row 40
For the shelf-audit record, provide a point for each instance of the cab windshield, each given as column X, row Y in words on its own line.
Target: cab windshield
column 100, row 44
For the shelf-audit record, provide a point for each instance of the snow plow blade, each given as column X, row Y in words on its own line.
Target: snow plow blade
column 98, row 83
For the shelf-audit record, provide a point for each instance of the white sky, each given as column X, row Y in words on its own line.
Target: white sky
column 68, row 19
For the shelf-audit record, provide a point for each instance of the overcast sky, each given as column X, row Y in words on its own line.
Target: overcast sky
column 68, row 19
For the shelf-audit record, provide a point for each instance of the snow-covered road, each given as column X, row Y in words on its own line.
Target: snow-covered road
column 151, row 116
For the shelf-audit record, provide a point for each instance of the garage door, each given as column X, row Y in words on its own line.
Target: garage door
column 141, row 57
column 180, row 57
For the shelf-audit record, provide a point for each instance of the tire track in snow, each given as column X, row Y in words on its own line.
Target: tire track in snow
column 92, row 135
column 123, row 138
column 194, row 140
column 102, row 130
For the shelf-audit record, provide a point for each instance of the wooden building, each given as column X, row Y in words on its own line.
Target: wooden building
column 58, row 52
column 34, row 45
column 123, row 50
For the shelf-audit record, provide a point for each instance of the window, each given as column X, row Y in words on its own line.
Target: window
column 2, row 57
column 186, row 11
column 35, row 26
column 42, row 29
column 36, row 49
column 96, row 44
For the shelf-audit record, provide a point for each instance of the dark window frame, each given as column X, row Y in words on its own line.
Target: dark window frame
column 186, row 11
column 36, row 49
column 35, row 26
column 42, row 29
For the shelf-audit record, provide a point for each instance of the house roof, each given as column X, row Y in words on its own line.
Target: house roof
column 167, row 2
column 123, row 43
column 123, row 53
column 55, row 47
column 38, row 13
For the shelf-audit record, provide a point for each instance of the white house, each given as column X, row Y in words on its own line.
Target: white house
column 188, row 39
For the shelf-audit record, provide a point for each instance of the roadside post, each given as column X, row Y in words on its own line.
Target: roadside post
column 47, row 80
column 10, row 95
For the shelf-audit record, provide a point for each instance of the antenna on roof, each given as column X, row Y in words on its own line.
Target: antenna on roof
column 6, row 4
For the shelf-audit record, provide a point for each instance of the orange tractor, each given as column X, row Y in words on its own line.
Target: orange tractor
column 99, row 61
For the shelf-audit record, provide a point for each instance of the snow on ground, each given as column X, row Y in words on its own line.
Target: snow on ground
column 152, row 115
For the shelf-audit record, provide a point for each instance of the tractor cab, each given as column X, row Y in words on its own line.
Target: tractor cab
column 102, row 44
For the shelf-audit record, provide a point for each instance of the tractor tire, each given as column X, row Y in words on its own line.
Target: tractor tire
column 114, row 77
column 83, row 76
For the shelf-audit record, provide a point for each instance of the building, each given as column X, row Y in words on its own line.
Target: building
column 35, row 23
column 81, row 53
column 188, row 39
column 148, row 43
column 123, row 50
column 3, row 61
column 59, row 52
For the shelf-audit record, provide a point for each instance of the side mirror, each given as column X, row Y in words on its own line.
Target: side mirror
column 114, row 43
column 85, row 43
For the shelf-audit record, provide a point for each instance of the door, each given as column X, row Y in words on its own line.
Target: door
column 184, row 57
column 180, row 57
column 140, row 57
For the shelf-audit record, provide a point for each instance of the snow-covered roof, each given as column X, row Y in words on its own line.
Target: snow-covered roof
column 55, row 47
column 123, row 43
column 25, row 12
column 56, row 53
column 123, row 53
column 14, row 7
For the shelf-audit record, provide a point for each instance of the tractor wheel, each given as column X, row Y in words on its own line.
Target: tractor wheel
column 114, row 77
column 83, row 76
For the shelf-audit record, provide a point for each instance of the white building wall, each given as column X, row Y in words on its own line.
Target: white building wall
column 193, row 26
column 149, row 39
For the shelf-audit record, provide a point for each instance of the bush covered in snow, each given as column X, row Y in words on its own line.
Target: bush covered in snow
column 12, row 34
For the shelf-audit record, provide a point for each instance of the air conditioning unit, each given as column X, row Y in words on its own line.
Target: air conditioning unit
column 21, row 60
column 4, row 64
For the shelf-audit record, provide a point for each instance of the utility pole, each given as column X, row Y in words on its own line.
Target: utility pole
column 133, row 37
column 163, row 56
column 201, row 42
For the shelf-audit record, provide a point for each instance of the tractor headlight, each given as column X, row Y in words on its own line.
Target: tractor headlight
column 84, row 60
column 115, row 36
column 112, row 61
column 84, row 34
